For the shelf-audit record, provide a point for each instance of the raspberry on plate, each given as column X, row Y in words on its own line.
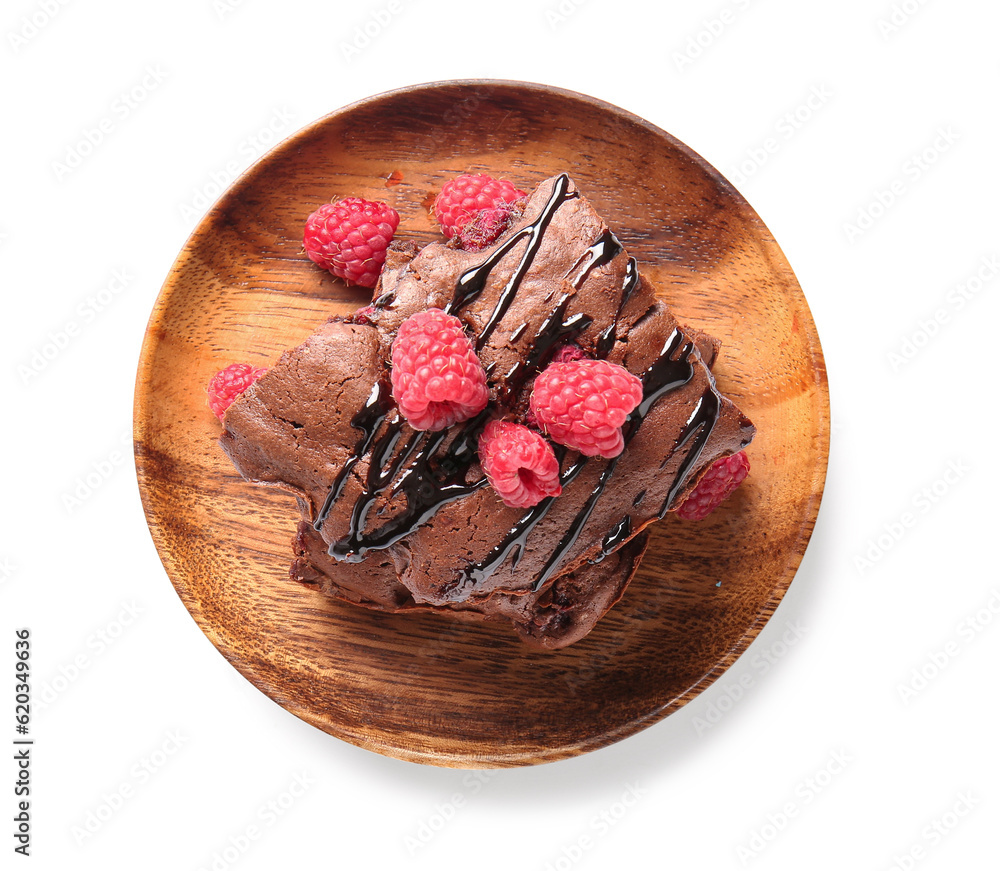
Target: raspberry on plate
column 582, row 404
column 226, row 384
column 350, row 237
column 437, row 379
column 463, row 198
column 721, row 479
column 519, row 464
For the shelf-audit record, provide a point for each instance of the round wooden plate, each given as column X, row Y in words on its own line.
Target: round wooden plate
column 423, row 687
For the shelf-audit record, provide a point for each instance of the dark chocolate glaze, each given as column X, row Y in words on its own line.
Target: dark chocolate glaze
column 551, row 333
column 606, row 340
column 618, row 535
column 472, row 282
column 425, row 485
column 697, row 430
column 604, row 250
column 670, row 371
column 376, row 482
column 575, row 528
column 368, row 420
column 517, row 538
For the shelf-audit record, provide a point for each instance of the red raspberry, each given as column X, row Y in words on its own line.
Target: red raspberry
column 437, row 379
column 519, row 463
column 563, row 354
column 362, row 316
column 349, row 238
column 583, row 404
column 489, row 225
column 568, row 353
column 463, row 197
column 228, row 383
column 722, row 477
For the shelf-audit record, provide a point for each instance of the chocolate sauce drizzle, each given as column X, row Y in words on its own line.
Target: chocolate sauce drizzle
column 604, row 250
column 424, row 490
column 368, row 420
column 517, row 538
column 551, row 333
column 697, row 431
column 472, row 282
column 425, row 485
column 616, row 537
column 606, row 340
column 427, row 481
column 670, row 371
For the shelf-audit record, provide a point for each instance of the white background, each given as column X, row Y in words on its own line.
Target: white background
column 861, row 721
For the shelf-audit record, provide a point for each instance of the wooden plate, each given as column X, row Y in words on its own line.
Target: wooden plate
column 425, row 688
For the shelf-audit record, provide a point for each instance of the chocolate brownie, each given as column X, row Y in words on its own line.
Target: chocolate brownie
column 399, row 519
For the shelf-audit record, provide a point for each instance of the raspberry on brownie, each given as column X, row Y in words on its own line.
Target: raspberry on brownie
column 583, row 404
column 437, row 379
column 519, row 464
column 476, row 198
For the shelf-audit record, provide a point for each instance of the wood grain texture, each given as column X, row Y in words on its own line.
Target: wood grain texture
column 423, row 687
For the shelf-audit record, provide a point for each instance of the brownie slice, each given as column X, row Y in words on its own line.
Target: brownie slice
column 408, row 512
